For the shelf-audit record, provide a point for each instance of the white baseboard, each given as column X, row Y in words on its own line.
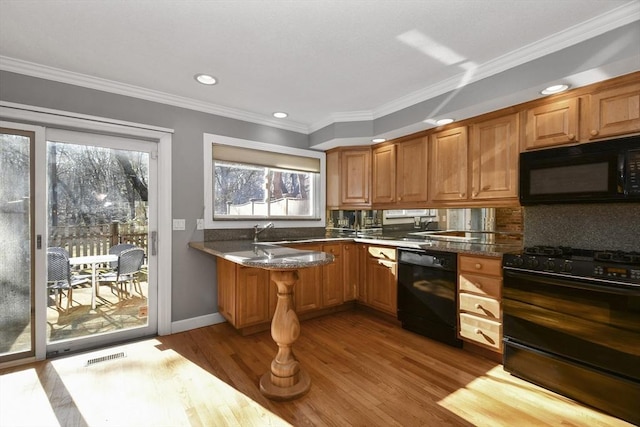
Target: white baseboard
column 196, row 322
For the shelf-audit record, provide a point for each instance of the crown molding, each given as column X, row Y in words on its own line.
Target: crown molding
column 69, row 77
column 599, row 25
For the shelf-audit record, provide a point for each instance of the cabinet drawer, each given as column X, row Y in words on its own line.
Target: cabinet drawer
column 382, row 252
column 490, row 286
column 480, row 305
column 480, row 330
column 491, row 266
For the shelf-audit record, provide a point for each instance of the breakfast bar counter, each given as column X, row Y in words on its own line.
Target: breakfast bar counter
column 285, row 380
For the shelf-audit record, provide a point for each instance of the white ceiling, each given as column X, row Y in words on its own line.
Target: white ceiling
column 322, row 61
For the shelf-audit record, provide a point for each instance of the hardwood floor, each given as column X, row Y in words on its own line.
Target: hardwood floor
column 364, row 372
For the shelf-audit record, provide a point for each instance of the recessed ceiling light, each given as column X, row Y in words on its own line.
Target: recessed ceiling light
column 554, row 89
column 205, row 79
column 378, row 140
column 443, row 122
column 280, row 115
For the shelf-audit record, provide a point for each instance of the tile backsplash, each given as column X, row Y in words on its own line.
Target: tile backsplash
column 584, row 226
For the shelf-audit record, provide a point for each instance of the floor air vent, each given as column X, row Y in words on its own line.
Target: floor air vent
column 105, row 358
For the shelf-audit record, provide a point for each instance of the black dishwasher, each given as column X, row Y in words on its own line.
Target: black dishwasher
column 427, row 294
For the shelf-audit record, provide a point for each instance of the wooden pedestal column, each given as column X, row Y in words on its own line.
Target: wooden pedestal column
column 286, row 380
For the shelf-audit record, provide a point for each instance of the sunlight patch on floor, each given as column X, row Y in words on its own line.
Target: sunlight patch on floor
column 150, row 387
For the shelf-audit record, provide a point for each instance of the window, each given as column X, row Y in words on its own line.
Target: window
column 250, row 180
column 247, row 191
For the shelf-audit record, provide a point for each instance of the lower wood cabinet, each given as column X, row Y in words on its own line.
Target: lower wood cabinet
column 381, row 279
column 479, row 300
column 245, row 295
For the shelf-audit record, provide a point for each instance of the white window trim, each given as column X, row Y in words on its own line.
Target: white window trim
column 44, row 117
column 210, row 223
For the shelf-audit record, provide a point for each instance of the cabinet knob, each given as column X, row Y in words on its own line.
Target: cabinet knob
column 594, row 132
column 461, row 195
column 479, row 285
column 478, row 306
column 478, row 266
column 571, row 137
column 477, row 331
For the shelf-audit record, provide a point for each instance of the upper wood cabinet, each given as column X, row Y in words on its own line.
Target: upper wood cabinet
column 494, row 158
column 555, row 123
column 349, row 178
column 384, row 174
column 448, row 165
column 400, row 173
column 412, row 171
column 614, row 111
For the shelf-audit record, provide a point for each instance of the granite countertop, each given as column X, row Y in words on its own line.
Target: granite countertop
column 274, row 254
column 268, row 256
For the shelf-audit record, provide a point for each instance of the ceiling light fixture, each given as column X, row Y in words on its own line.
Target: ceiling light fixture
column 280, row 115
column 376, row 140
column 443, row 122
column 554, row 89
column 205, row 79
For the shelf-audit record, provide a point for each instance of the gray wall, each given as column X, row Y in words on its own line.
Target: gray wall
column 194, row 284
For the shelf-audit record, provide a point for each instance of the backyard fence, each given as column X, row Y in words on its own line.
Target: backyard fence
column 97, row 239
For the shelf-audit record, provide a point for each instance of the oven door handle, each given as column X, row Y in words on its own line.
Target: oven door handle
column 570, row 282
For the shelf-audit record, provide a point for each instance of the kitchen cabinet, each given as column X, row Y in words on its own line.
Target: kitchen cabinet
column 494, row 147
column 400, row 172
column 614, row 111
column 351, row 270
column 245, row 296
column 449, row 161
column 349, row 178
column 333, row 276
column 479, row 301
column 307, row 293
column 553, row 123
column 384, row 174
column 381, row 279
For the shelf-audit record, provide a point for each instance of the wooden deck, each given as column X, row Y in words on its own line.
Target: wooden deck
column 364, row 371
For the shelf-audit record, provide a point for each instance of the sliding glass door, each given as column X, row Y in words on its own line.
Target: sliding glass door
column 102, row 215
column 17, row 278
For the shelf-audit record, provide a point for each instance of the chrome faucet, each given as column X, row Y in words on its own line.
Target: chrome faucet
column 256, row 231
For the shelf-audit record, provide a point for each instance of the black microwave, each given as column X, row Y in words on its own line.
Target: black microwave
column 595, row 172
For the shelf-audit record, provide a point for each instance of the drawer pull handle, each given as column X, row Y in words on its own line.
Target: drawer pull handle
column 478, row 266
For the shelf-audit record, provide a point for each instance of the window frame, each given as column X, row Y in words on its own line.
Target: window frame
column 319, row 192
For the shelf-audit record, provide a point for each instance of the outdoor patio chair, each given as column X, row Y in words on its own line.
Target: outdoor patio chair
column 116, row 250
column 126, row 272
column 59, row 277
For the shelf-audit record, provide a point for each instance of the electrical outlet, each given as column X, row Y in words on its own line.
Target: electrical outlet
column 200, row 224
column 179, row 224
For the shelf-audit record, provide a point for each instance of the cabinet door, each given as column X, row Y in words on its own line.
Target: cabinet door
column 307, row 292
column 253, row 296
column 381, row 285
column 411, row 174
column 351, row 271
column 332, row 277
column 226, row 272
column 494, row 154
column 384, row 174
column 615, row 111
column 333, row 179
column 555, row 123
column 449, row 165
column 355, row 177
column 364, row 275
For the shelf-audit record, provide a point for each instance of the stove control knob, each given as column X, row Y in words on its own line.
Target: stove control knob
column 533, row 262
column 518, row 261
column 567, row 267
column 550, row 265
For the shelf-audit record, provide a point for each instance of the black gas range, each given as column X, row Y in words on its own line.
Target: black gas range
column 605, row 266
column 571, row 323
